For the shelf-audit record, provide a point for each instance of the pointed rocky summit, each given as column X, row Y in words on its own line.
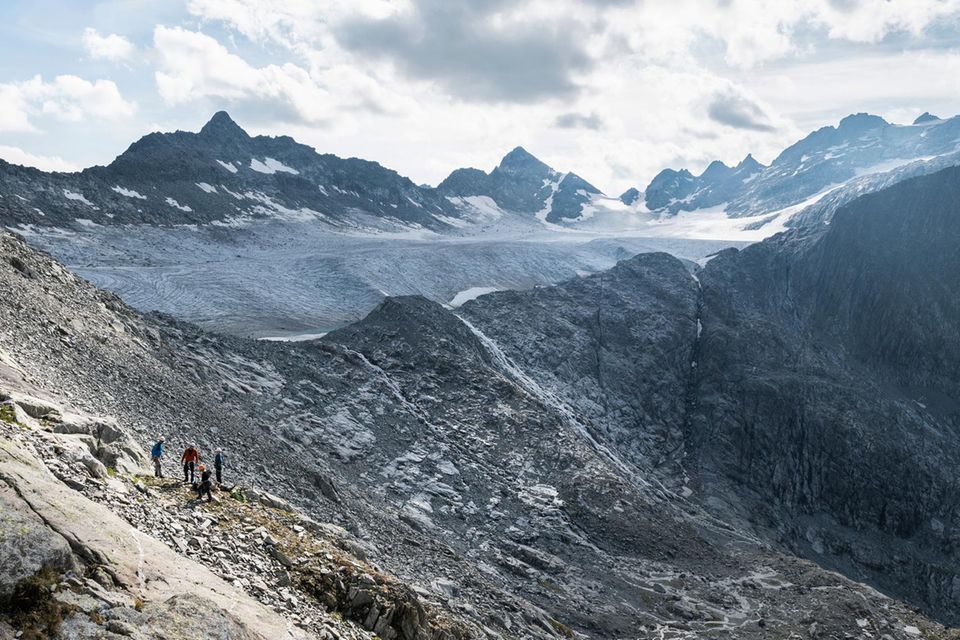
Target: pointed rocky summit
column 221, row 125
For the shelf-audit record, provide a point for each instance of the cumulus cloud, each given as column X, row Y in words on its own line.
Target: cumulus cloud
column 733, row 109
column 67, row 97
column 16, row 155
column 13, row 109
column 193, row 65
column 111, row 47
column 427, row 85
column 579, row 121
column 678, row 83
column 475, row 50
column 482, row 50
column 752, row 32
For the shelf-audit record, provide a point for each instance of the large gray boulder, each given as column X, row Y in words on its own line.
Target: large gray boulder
column 27, row 545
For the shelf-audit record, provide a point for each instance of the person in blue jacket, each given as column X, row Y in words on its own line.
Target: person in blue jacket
column 218, row 461
column 155, row 454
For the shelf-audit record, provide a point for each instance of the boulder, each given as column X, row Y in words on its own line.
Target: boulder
column 266, row 499
column 79, row 448
column 35, row 407
column 27, row 545
column 111, row 445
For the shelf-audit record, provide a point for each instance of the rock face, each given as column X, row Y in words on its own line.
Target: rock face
column 220, row 174
column 524, row 184
column 827, row 385
column 616, row 345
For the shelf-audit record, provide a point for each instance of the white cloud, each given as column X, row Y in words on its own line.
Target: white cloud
column 655, row 84
column 678, row 83
column 13, row 110
column 193, row 65
column 111, row 47
column 752, row 32
column 16, row 155
column 67, row 97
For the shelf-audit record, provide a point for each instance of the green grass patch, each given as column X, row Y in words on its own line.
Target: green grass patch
column 8, row 414
column 561, row 628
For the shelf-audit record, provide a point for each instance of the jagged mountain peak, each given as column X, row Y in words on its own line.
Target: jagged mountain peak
column 750, row 163
column 630, row 196
column 221, row 125
column 519, row 159
column 857, row 122
column 925, row 117
column 715, row 169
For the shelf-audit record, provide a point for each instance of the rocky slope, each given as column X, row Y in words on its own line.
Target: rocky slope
column 548, row 463
column 807, row 392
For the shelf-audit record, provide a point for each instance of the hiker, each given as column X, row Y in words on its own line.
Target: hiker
column 190, row 458
column 205, row 486
column 218, row 462
column 155, row 454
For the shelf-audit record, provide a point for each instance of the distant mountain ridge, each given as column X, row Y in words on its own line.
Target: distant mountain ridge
column 861, row 144
column 220, row 174
column 524, row 184
column 671, row 190
column 223, row 176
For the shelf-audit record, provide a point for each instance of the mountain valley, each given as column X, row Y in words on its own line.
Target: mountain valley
column 488, row 415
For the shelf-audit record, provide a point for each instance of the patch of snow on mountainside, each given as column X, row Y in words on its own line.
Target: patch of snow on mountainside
column 270, row 208
column 889, row 165
column 73, row 195
column 600, row 203
column 548, row 203
column 453, row 222
column 469, row 294
column 232, row 193
column 227, row 165
column 483, row 206
column 129, row 193
column 271, row 166
column 176, row 205
column 299, row 337
column 712, row 223
column 207, row 188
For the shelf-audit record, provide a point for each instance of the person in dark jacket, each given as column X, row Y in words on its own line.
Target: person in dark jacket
column 155, row 454
column 190, row 458
column 205, row 486
column 218, row 462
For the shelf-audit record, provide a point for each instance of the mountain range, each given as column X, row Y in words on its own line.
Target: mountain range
column 223, row 176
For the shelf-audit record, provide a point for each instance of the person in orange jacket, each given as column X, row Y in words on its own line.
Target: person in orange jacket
column 190, row 458
column 205, row 486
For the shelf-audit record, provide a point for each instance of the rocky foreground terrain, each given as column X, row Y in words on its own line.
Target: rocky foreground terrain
column 760, row 448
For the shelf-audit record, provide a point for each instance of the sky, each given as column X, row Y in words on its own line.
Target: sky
column 614, row 90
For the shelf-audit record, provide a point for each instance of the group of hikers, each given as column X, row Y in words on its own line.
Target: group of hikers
column 191, row 465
